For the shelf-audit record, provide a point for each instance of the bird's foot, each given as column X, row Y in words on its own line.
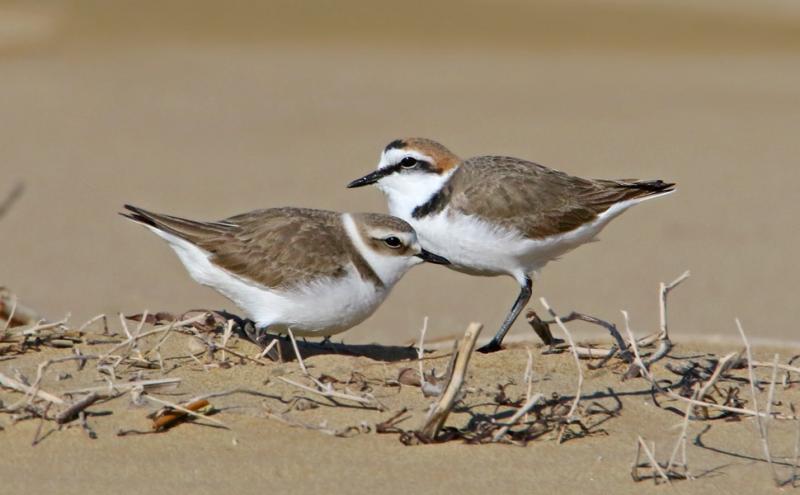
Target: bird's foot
column 256, row 335
column 492, row 346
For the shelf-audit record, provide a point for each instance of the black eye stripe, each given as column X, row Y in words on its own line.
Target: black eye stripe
column 418, row 165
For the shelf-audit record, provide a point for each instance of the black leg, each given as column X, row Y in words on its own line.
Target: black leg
column 256, row 335
column 522, row 299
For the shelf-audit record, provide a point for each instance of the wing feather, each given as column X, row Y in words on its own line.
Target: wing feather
column 536, row 200
column 276, row 247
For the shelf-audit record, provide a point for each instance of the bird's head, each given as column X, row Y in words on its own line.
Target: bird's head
column 414, row 168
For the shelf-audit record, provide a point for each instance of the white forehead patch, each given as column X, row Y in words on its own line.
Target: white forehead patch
column 393, row 156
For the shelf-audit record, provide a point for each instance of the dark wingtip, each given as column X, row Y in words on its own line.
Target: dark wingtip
column 654, row 186
column 659, row 185
column 137, row 215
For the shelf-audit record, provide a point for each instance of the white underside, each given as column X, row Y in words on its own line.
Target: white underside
column 477, row 247
column 324, row 307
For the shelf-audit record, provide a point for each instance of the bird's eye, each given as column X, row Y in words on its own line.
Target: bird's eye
column 408, row 162
column 393, row 242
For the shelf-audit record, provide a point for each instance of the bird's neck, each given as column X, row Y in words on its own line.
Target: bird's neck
column 383, row 271
column 410, row 193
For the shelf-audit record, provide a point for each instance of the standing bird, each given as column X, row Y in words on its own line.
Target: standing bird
column 315, row 272
column 496, row 215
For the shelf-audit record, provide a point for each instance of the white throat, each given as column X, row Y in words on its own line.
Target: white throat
column 389, row 269
column 408, row 191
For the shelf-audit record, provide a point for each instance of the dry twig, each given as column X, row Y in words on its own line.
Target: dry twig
column 680, row 447
column 525, row 409
column 327, row 391
column 131, row 340
column 441, row 409
column 73, row 411
column 765, row 422
column 421, row 351
column 297, row 353
column 761, row 423
column 653, row 383
column 574, row 407
column 8, row 382
column 114, row 389
column 642, row 446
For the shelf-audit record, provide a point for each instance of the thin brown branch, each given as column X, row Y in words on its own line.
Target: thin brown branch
column 163, row 328
column 761, row 424
column 535, row 399
column 785, row 367
column 664, row 290
column 675, row 396
column 94, row 319
column 73, row 411
column 225, row 336
column 40, row 370
column 652, row 459
column 297, row 353
column 8, row 382
column 421, row 351
column 574, row 408
column 38, row 327
column 114, row 389
column 680, row 443
column 723, row 365
column 662, row 337
column 327, row 391
column 599, row 352
column 441, row 409
column 267, row 351
column 768, row 410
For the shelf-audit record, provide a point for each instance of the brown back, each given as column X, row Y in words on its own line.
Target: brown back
column 276, row 247
column 536, row 200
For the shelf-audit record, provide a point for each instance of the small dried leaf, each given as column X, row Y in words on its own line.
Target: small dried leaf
column 168, row 417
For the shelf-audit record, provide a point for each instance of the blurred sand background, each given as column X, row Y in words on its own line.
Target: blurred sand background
column 206, row 109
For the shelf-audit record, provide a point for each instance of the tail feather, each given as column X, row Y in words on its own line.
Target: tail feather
column 650, row 186
column 629, row 189
column 189, row 230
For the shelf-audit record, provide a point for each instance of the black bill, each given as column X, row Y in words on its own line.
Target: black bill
column 432, row 258
column 370, row 178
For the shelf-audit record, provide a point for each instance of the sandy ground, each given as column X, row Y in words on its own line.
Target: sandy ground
column 258, row 451
column 205, row 116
